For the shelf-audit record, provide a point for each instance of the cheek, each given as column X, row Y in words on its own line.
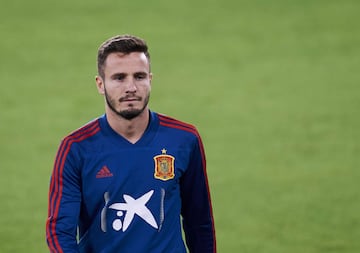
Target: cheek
column 113, row 87
column 146, row 87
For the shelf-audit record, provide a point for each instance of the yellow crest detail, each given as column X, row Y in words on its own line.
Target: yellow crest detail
column 164, row 166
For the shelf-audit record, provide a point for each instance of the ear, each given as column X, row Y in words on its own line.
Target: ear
column 150, row 77
column 100, row 85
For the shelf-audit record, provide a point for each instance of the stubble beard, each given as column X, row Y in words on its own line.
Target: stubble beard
column 127, row 114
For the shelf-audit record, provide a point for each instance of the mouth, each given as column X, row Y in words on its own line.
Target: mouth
column 130, row 99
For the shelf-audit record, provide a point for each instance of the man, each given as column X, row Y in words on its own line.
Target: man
column 121, row 182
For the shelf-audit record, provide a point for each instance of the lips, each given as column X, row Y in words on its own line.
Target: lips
column 130, row 99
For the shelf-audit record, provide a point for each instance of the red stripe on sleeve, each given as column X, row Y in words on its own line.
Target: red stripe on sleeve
column 56, row 185
column 173, row 123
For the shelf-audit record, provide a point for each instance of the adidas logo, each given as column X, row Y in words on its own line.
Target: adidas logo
column 104, row 172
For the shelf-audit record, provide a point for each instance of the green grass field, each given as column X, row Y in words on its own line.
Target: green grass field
column 273, row 87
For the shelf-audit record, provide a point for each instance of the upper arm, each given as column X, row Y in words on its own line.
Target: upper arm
column 197, row 214
column 64, row 201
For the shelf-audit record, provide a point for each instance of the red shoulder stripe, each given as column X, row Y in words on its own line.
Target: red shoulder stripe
column 174, row 123
column 168, row 120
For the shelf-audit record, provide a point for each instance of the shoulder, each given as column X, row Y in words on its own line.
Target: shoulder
column 172, row 123
column 69, row 146
column 84, row 132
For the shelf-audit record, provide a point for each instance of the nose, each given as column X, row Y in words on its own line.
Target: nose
column 131, row 86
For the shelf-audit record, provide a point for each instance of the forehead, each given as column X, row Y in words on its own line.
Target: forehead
column 126, row 62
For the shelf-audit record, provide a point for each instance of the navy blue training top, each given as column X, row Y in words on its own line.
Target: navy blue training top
column 109, row 195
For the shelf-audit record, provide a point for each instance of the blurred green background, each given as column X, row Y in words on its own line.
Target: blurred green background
column 273, row 87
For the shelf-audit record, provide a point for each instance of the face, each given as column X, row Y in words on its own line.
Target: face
column 126, row 84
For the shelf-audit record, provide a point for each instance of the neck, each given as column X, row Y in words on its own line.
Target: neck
column 131, row 130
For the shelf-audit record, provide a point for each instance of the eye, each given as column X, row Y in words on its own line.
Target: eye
column 119, row 77
column 140, row 76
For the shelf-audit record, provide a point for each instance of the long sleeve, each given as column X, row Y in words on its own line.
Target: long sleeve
column 197, row 214
column 64, row 202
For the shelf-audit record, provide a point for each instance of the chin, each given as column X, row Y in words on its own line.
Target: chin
column 130, row 114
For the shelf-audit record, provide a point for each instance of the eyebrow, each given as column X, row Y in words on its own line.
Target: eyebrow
column 123, row 74
column 141, row 73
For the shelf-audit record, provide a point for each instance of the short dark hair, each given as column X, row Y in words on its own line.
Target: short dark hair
column 121, row 43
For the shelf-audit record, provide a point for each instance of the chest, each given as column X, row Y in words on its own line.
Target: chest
column 132, row 171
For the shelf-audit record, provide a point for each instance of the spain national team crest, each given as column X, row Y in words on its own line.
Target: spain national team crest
column 164, row 166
